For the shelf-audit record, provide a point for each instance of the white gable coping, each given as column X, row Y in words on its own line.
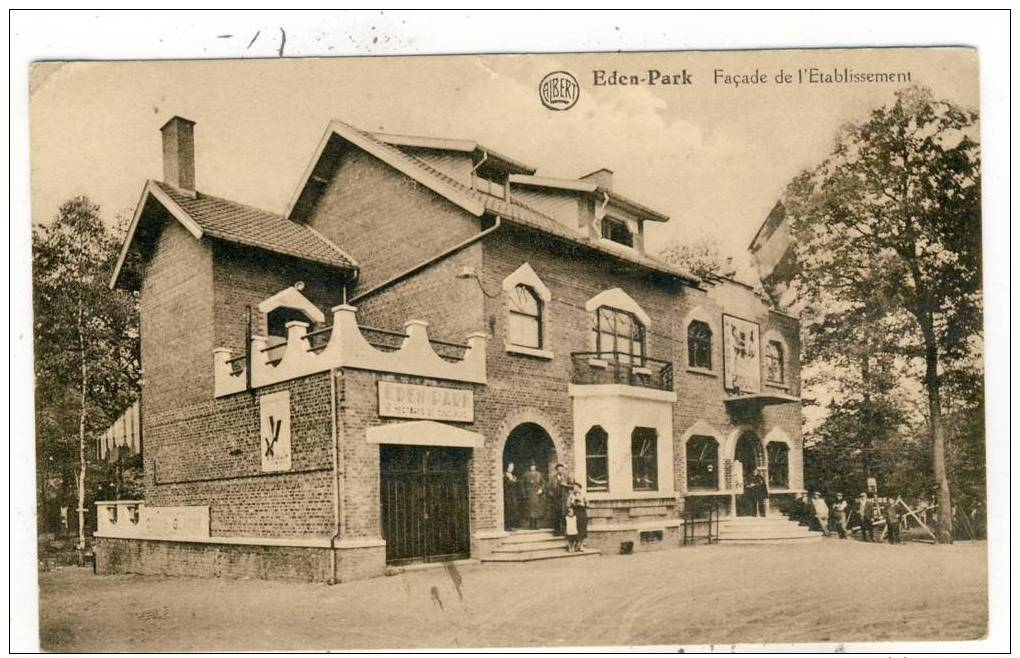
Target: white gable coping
column 292, row 298
column 153, row 190
column 618, row 299
column 526, row 275
column 424, row 433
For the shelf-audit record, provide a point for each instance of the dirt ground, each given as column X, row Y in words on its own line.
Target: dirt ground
column 830, row 591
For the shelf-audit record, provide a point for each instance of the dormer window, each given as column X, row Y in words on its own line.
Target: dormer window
column 617, row 231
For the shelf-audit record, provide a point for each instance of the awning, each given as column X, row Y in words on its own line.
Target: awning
column 748, row 400
column 424, row 433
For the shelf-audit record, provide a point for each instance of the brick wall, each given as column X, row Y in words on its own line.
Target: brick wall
column 209, row 453
column 385, row 220
column 176, row 308
column 244, row 276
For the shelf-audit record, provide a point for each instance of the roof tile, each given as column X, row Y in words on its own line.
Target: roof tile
column 241, row 224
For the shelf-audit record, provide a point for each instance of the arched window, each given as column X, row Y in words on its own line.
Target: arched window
column 525, row 317
column 644, row 458
column 774, row 361
column 596, row 459
column 779, row 465
column 618, row 335
column 277, row 319
column 702, row 463
column 699, row 345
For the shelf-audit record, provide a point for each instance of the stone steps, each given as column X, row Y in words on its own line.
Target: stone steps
column 532, row 545
column 765, row 530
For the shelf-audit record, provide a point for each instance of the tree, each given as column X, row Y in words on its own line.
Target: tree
column 887, row 236
column 86, row 344
column 702, row 258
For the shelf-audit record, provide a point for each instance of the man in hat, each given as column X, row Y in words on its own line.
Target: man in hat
column 559, row 490
column 839, row 511
column 821, row 510
column 758, row 490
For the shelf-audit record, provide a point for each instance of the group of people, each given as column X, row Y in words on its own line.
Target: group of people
column 529, row 501
column 867, row 511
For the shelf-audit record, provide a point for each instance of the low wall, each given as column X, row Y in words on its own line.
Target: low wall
column 224, row 559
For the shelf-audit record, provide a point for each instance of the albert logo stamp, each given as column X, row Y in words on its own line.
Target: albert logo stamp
column 559, row 90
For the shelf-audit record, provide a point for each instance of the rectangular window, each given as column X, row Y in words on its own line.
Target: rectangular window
column 618, row 336
column 702, row 463
column 617, row 231
column 779, row 465
column 596, row 459
column 774, row 361
column 644, row 461
column 525, row 319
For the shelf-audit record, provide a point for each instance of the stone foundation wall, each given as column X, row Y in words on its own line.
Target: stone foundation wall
column 220, row 560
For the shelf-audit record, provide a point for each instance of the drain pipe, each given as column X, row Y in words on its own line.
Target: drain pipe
column 335, row 441
column 435, row 259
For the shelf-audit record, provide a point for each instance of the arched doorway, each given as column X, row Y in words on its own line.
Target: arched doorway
column 527, row 444
column 751, row 454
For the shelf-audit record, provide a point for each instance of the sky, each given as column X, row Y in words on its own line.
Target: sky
column 715, row 157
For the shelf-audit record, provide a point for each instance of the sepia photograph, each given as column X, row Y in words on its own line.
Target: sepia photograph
column 659, row 349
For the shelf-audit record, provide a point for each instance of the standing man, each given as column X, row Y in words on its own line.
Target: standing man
column 892, row 521
column 759, row 491
column 821, row 510
column 559, row 490
column 839, row 511
column 865, row 510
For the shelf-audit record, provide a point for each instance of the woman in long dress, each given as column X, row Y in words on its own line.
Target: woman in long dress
column 511, row 493
column 534, row 488
column 579, row 504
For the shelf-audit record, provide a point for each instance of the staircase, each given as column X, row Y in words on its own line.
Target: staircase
column 772, row 529
column 532, row 545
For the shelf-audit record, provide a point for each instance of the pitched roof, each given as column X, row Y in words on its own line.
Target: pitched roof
column 241, row 224
column 468, row 198
column 206, row 215
column 462, row 145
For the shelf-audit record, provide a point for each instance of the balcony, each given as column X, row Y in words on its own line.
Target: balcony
column 619, row 368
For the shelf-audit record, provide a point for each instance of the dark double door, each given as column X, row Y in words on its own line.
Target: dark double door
column 425, row 506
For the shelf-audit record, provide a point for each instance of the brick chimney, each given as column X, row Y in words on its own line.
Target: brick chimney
column 179, row 153
column 601, row 177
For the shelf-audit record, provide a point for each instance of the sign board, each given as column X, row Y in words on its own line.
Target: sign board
column 174, row 522
column 426, row 402
column 274, row 431
column 741, row 355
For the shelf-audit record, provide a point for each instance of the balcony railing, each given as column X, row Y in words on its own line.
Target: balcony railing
column 620, row 368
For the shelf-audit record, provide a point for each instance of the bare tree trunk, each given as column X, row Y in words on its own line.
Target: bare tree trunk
column 81, row 435
column 938, row 434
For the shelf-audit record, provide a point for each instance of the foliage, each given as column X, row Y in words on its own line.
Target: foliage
column 702, row 258
column 887, row 237
column 85, row 340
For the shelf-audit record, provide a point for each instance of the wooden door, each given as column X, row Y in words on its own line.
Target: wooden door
column 425, row 510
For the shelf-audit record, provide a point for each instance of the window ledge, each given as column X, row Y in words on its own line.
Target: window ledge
column 529, row 351
column 702, row 371
column 707, row 492
column 598, row 363
column 774, row 384
column 638, row 370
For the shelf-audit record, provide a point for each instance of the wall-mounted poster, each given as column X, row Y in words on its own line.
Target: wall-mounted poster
column 274, row 431
column 741, row 355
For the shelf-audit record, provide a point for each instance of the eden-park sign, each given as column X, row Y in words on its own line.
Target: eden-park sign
column 425, row 402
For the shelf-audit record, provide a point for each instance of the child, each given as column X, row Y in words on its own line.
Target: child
column 571, row 531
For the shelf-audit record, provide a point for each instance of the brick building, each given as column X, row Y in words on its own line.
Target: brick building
column 343, row 387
